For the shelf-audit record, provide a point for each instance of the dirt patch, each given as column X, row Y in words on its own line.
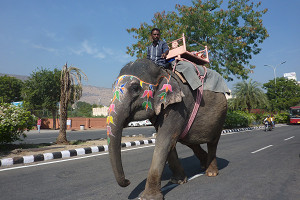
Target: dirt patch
column 10, row 151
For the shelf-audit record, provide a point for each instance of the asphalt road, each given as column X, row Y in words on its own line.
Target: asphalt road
column 253, row 165
column 48, row 136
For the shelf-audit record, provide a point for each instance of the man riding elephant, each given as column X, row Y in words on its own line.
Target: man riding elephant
column 158, row 50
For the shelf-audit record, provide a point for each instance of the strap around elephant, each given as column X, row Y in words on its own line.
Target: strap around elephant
column 198, row 98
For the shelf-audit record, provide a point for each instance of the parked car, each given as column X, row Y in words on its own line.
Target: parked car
column 140, row 123
column 147, row 122
column 134, row 123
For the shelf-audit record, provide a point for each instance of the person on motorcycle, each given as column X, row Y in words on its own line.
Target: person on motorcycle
column 268, row 119
column 273, row 120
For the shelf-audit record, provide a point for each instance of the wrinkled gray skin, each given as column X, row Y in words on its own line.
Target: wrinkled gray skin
column 169, row 119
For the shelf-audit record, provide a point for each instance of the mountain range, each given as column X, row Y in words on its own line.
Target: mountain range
column 90, row 94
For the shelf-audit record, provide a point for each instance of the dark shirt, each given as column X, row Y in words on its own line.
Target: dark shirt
column 154, row 53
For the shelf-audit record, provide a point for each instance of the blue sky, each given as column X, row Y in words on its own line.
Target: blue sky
column 92, row 36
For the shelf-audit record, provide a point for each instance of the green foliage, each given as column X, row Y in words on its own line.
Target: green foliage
column 10, row 89
column 42, row 89
column 97, row 106
column 14, row 120
column 248, row 95
column 236, row 119
column 282, row 118
column 284, row 95
column 82, row 109
column 231, row 34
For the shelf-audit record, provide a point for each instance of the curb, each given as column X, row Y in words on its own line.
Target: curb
column 93, row 149
column 241, row 129
column 67, row 153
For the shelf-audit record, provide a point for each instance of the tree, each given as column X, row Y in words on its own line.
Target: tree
column 71, row 90
column 232, row 34
column 284, row 94
column 14, row 120
column 249, row 95
column 10, row 89
column 82, row 109
column 42, row 91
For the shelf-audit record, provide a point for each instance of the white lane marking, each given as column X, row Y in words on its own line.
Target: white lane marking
column 78, row 158
column 289, row 138
column 174, row 185
column 262, row 149
column 196, row 176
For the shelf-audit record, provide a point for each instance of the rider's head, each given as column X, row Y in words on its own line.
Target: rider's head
column 155, row 34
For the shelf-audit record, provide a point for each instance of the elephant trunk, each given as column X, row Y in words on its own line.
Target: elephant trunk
column 114, row 148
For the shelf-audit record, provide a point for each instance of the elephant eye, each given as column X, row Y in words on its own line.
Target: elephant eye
column 136, row 88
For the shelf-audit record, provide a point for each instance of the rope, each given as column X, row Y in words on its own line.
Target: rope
column 198, row 98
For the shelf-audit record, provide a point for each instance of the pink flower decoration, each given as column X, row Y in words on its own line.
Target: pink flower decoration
column 108, row 128
column 167, row 87
column 148, row 93
column 111, row 108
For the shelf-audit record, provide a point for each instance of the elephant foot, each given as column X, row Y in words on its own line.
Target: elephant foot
column 179, row 181
column 154, row 196
column 211, row 172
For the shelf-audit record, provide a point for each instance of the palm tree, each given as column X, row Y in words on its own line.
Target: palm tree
column 71, row 90
column 249, row 95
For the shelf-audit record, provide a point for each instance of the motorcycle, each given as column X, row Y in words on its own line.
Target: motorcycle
column 268, row 126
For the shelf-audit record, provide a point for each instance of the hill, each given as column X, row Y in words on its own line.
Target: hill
column 96, row 95
column 90, row 94
column 22, row 78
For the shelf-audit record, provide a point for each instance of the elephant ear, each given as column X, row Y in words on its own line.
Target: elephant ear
column 168, row 92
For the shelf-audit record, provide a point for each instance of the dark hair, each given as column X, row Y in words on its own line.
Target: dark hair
column 155, row 29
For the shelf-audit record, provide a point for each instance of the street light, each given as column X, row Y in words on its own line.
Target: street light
column 274, row 69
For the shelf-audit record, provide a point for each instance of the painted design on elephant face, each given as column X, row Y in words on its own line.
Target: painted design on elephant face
column 148, row 89
column 147, row 104
column 119, row 89
column 117, row 92
column 166, row 88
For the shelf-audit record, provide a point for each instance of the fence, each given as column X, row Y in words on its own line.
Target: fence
column 75, row 123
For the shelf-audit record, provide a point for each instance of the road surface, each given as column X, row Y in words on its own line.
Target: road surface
column 253, row 165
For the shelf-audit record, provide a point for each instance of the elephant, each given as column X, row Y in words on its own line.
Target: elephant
column 144, row 90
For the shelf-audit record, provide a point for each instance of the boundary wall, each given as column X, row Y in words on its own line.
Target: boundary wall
column 76, row 123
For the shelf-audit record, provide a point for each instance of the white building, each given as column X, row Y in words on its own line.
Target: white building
column 290, row 76
column 100, row 111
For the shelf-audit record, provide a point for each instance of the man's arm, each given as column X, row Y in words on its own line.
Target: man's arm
column 148, row 53
column 165, row 50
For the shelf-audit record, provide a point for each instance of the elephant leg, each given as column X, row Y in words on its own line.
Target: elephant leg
column 212, row 169
column 153, row 184
column 200, row 154
column 166, row 139
column 179, row 176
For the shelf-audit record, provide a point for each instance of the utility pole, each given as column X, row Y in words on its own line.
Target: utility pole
column 274, row 69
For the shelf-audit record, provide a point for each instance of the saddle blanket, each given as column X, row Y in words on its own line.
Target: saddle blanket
column 213, row 80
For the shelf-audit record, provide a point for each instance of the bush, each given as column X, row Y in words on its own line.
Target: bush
column 236, row 119
column 282, row 118
column 14, row 120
